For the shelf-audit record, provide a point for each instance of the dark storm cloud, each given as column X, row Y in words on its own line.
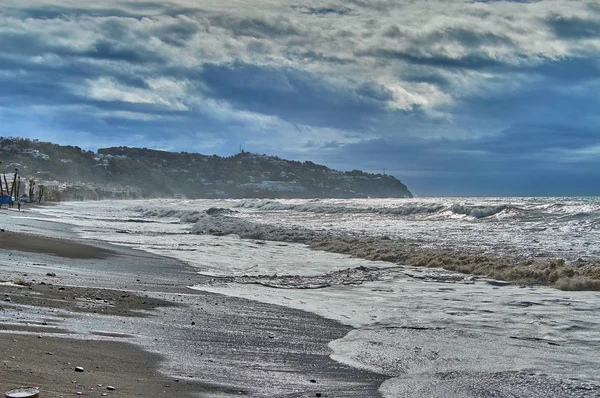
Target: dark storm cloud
column 178, row 35
column 546, row 101
column 295, row 95
column 522, row 139
column 464, row 36
column 471, row 61
column 118, row 51
column 322, row 10
column 574, row 28
column 329, row 59
column 259, row 27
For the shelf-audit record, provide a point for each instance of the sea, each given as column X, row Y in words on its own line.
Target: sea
column 430, row 331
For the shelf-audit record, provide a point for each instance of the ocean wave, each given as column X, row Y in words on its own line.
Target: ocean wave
column 521, row 210
column 575, row 275
column 184, row 215
column 478, row 211
column 226, row 225
column 320, row 207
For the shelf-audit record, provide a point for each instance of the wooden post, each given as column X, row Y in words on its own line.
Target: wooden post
column 13, row 187
column 31, row 191
column 5, row 183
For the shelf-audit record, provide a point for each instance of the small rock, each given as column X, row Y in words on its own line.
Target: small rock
column 313, row 381
column 79, row 393
column 193, row 323
column 79, row 369
column 110, row 388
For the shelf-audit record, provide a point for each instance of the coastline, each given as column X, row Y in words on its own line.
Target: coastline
column 128, row 319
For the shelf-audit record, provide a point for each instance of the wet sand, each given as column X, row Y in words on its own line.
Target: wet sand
column 58, row 247
column 129, row 320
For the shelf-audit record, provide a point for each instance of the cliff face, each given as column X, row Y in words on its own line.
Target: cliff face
column 151, row 173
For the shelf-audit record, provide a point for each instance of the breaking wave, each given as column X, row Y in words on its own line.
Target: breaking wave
column 574, row 275
column 412, row 209
column 478, row 211
column 226, row 225
column 159, row 212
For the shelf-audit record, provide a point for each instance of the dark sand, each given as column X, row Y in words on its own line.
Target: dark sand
column 39, row 244
column 205, row 344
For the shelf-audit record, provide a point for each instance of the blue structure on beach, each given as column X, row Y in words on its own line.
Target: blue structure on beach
column 7, row 199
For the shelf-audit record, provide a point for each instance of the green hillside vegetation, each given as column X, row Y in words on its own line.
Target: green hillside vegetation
column 142, row 172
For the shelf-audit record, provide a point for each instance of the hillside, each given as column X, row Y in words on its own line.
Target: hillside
column 142, row 172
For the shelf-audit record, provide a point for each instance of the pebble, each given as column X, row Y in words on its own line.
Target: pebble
column 110, row 388
column 79, row 369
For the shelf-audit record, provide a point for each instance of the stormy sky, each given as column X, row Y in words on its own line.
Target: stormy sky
column 452, row 97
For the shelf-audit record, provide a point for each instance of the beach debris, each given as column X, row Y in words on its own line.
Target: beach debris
column 24, row 392
column 52, row 274
column 79, row 369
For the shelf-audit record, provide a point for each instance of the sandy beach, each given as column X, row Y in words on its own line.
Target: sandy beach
column 127, row 318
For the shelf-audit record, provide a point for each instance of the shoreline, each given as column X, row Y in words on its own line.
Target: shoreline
column 139, row 327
